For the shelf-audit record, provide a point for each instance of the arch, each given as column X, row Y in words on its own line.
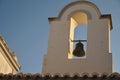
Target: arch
column 80, row 18
column 89, row 16
column 79, row 6
column 78, row 22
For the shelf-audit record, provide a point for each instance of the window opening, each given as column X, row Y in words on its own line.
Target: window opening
column 80, row 33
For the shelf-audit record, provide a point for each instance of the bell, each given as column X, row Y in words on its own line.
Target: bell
column 79, row 51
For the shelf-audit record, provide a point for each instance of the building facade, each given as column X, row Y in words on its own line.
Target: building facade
column 8, row 60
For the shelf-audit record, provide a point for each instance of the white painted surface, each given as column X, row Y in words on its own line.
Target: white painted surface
column 59, row 54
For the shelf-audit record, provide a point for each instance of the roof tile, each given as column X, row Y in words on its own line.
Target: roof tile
column 95, row 76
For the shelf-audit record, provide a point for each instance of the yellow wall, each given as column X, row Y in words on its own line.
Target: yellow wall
column 4, row 66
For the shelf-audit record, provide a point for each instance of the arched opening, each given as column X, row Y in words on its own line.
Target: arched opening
column 78, row 32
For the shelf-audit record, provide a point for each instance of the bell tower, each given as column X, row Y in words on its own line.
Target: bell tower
column 59, row 57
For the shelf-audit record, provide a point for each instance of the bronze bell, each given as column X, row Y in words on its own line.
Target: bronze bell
column 79, row 50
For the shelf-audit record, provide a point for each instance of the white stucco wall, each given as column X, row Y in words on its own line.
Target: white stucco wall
column 98, row 57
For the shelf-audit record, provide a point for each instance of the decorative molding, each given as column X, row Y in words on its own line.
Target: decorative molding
column 9, row 56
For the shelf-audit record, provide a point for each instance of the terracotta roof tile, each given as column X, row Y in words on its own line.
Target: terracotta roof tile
column 20, row 76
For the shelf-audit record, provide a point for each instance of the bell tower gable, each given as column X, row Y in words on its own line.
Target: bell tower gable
column 60, row 45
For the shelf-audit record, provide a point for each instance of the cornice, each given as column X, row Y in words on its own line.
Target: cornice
column 8, row 55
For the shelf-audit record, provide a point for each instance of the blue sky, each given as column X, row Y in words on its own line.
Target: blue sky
column 25, row 28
